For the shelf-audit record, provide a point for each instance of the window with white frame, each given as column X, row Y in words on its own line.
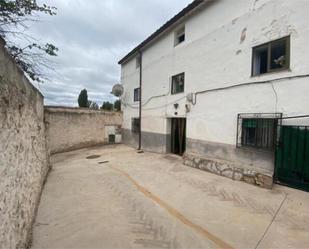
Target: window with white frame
column 180, row 36
column 271, row 57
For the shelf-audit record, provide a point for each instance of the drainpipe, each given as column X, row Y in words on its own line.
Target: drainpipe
column 140, row 101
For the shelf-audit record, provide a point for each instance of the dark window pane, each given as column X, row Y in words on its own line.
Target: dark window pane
column 178, row 83
column 259, row 133
column 137, row 94
column 260, row 60
column 271, row 56
column 249, row 132
column 181, row 38
column 250, row 123
column 278, row 54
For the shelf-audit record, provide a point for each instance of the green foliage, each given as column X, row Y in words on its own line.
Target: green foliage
column 26, row 58
column 107, row 106
column 14, row 16
column 83, row 99
column 93, row 105
column 14, row 12
column 117, row 105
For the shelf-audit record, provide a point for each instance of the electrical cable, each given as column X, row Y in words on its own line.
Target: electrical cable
column 214, row 89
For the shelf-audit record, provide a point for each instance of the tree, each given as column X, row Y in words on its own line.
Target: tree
column 107, row 106
column 117, row 105
column 14, row 18
column 93, row 105
column 83, row 99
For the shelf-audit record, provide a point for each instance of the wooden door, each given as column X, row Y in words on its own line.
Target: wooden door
column 178, row 136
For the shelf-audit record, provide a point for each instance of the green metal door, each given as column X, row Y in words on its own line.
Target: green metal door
column 292, row 157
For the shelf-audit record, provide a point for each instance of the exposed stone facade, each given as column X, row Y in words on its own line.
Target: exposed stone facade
column 229, row 170
column 74, row 128
column 23, row 157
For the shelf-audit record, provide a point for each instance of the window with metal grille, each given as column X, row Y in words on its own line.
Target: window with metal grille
column 258, row 130
column 271, row 57
column 137, row 94
column 135, row 125
column 178, row 83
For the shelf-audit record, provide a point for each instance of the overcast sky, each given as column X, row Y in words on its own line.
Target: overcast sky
column 93, row 35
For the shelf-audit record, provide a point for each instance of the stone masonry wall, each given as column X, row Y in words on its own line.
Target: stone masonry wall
column 230, row 170
column 74, row 128
column 23, row 158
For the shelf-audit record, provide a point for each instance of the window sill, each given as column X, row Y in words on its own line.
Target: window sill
column 179, row 45
column 285, row 70
column 172, row 94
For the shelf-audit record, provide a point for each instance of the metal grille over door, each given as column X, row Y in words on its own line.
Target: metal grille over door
column 292, row 157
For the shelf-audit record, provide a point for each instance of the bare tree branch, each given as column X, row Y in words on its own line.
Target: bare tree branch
column 14, row 17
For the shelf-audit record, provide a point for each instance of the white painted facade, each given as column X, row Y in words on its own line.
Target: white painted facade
column 217, row 53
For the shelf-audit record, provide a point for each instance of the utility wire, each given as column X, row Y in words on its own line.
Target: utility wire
column 217, row 89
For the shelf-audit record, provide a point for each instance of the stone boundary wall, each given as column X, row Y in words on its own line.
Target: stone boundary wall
column 23, row 155
column 230, row 170
column 75, row 128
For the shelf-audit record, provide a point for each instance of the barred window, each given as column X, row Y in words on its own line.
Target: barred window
column 135, row 125
column 258, row 132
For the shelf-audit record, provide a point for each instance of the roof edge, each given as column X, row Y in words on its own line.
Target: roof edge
column 192, row 6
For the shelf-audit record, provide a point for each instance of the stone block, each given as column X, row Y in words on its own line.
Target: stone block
column 228, row 173
column 238, row 176
column 264, row 181
column 224, row 166
column 229, row 170
column 249, row 172
column 197, row 160
column 249, row 179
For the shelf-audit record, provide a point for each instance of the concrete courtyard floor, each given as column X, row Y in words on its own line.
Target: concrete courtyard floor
column 123, row 199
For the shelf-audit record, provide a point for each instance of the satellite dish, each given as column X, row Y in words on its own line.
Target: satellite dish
column 117, row 90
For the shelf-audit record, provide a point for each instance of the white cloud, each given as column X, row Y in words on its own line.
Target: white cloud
column 93, row 35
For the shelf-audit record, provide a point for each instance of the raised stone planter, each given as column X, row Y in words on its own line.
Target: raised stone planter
column 229, row 170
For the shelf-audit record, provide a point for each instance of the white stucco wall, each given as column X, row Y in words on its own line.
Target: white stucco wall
column 213, row 56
